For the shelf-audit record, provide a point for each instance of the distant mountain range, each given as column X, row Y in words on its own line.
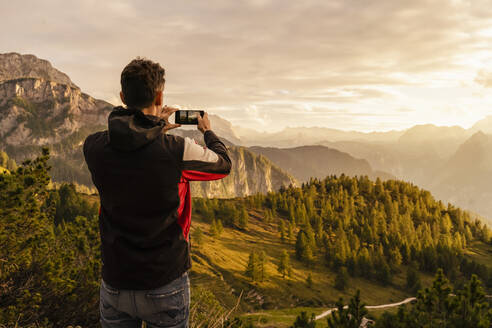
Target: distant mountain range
column 301, row 136
column 420, row 154
column 305, row 162
column 466, row 178
column 452, row 162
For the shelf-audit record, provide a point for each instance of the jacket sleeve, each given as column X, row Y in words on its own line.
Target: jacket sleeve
column 205, row 163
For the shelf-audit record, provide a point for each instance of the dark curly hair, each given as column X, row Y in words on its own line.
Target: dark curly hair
column 141, row 79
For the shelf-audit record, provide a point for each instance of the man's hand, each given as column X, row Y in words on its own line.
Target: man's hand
column 164, row 114
column 203, row 123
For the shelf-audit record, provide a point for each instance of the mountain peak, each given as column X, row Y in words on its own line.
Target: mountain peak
column 431, row 132
column 15, row 66
column 477, row 138
column 224, row 128
column 472, row 153
column 484, row 125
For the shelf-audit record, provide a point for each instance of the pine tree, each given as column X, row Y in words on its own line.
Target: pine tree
column 256, row 267
column 252, row 266
column 197, row 236
column 350, row 316
column 220, row 227
column 309, row 281
column 243, row 218
column 341, row 279
column 262, row 266
column 413, row 280
column 304, row 251
column 405, row 253
column 284, row 267
column 437, row 307
column 301, row 245
column 302, row 321
column 290, row 231
column 268, row 217
column 292, row 215
column 308, row 255
column 311, row 239
column 383, row 271
column 213, row 229
column 340, row 317
column 472, row 308
column 395, row 258
column 281, row 228
column 216, row 228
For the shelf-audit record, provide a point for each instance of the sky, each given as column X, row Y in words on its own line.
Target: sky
column 366, row 65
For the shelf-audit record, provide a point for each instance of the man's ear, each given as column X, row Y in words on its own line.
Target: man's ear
column 158, row 99
column 122, row 97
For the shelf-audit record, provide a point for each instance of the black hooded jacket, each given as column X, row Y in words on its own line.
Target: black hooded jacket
column 142, row 175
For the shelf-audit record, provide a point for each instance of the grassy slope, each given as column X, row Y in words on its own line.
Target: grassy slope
column 481, row 253
column 283, row 299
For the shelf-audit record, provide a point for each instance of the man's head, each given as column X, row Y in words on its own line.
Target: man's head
column 142, row 83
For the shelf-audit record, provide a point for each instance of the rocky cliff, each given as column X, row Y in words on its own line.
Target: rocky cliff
column 34, row 111
column 14, row 65
column 250, row 174
column 41, row 106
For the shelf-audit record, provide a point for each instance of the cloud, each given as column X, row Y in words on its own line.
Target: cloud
column 230, row 55
column 484, row 78
column 405, row 110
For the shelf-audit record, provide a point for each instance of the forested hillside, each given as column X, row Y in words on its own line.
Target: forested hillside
column 301, row 246
column 367, row 228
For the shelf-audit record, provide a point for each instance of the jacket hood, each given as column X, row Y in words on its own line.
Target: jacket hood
column 130, row 129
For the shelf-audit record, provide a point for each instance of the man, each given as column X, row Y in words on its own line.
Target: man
column 142, row 175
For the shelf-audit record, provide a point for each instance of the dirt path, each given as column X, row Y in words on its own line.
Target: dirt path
column 382, row 306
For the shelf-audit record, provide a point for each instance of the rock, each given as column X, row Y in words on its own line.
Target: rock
column 14, row 65
column 250, row 174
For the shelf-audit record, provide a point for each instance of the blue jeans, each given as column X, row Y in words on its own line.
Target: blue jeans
column 167, row 306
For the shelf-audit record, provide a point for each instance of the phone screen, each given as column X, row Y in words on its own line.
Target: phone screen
column 187, row 116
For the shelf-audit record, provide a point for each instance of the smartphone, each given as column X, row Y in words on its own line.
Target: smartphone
column 187, row 116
